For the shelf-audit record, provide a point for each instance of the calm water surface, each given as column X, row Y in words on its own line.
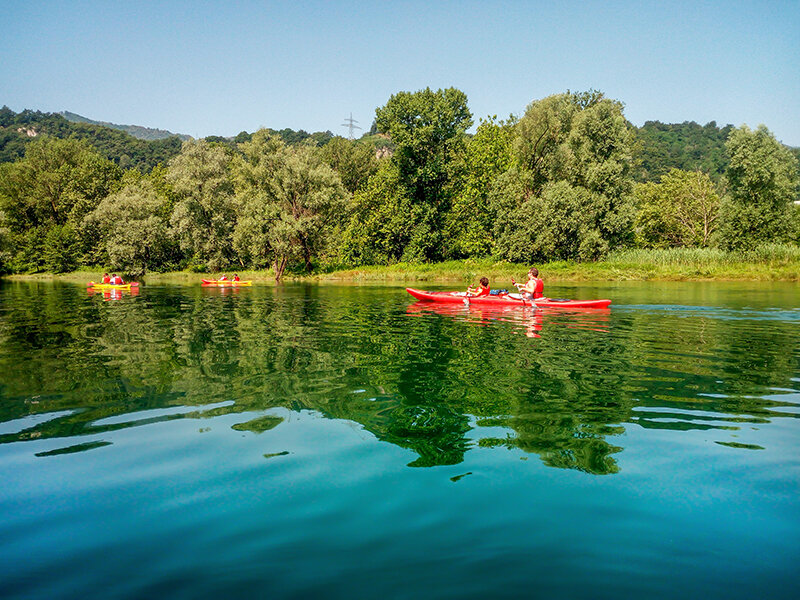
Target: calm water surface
column 345, row 442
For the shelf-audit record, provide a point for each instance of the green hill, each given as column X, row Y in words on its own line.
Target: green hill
column 687, row 146
column 137, row 131
column 18, row 129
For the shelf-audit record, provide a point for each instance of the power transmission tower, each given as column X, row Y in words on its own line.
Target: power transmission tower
column 351, row 125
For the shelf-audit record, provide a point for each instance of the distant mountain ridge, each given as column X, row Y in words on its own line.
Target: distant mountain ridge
column 137, row 131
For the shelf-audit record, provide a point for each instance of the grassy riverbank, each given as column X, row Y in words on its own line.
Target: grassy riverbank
column 765, row 263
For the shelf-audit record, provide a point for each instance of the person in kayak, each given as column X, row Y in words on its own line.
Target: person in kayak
column 533, row 288
column 481, row 290
column 223, row 278
column 236, row 277
column 116, row 279
column 106, row 278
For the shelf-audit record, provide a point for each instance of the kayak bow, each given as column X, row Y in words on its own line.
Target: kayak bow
column 504, row 300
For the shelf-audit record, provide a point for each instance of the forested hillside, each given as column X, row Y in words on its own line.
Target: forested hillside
column 571, row 179
column 128, row 146
column 17, row 130
column 687, row 146
column 137, row 131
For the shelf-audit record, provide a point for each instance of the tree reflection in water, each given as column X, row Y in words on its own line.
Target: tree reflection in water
column 437, row 380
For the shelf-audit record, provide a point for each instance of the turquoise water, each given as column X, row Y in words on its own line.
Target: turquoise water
column 345, row 442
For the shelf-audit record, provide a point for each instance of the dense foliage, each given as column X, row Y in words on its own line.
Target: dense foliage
column 17, row 130
column 686, row 146
column 560, row 182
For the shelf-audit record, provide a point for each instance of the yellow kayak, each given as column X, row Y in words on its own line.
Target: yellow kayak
column 112, row 286
column 226, row 282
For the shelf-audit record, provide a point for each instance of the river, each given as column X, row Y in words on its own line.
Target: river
column 344, row 441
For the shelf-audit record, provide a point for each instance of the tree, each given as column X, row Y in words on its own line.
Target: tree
column 289, row 200
column 762, row 182
column 57, row 181
column 204, row 217
column 354, row 162
column 563, row 222
column 61, row 249
column 382, row 221
column 573, row 153
column 428, row 130
column 661, row 147
column 134, row 226
column 469, row 223
column 681, row 210
column 53, row 187
column 424, row 125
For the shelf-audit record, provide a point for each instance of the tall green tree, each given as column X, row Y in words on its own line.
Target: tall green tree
column 469, row 223
column 428, row 130
column 44, row 198
column 134, row 226
column 204, row 215
column 569, row 195
column 289, row 201
column 762, row 183
column 382, row 221
column 355, row 162
column 680, row 210
column 57, row 181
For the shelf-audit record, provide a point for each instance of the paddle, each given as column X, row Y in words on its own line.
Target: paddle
column 521, row 297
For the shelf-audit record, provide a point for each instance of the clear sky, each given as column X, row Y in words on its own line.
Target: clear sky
column 217, row 68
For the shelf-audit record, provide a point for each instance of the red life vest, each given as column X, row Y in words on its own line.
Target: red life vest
column 538, row 291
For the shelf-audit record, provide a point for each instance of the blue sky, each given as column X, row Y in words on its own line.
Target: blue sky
column 217, row 68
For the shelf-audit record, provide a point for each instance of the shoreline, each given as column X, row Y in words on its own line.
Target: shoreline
column 466, row 271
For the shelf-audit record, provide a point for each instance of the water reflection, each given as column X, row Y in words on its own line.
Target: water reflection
column 526, row 320
column 440, row 381
column 113, row 294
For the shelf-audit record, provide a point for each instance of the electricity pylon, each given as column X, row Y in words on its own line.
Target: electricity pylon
column 351, row 125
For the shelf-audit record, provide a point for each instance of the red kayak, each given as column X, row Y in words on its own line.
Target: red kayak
column 504, row 299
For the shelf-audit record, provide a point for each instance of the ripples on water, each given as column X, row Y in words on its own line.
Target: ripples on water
column 199, row 441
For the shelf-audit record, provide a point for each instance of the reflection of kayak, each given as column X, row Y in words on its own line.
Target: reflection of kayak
column 504, row 300
column 114, row 294
column 225, row 283
column 113, row 286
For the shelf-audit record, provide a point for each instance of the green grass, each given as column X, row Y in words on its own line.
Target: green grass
column 773, row 262
column 769, row 262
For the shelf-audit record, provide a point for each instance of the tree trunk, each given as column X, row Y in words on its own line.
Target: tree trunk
column 307, row 258
column 279, row 266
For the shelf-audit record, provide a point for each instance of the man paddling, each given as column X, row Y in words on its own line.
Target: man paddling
column 533, row 288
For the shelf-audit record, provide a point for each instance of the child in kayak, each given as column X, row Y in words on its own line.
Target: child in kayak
column 481, row 290
column 533, row 288
column 223, row 278
column 116, row 279
column 106, row 278
column 236, row 277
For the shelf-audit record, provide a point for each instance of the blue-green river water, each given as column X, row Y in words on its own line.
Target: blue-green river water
column 323, row 441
